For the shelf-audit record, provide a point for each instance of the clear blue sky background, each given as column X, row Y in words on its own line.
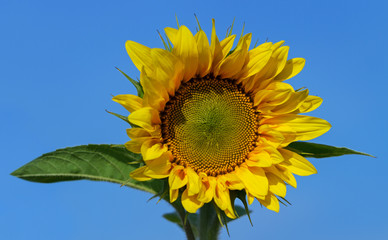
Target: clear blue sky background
column 57, row 75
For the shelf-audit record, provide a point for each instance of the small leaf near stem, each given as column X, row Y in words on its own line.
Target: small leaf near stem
column 185, row 222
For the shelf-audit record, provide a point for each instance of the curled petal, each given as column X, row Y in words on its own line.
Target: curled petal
column 193, row 184
column 190, row 203
column 159, row 168
column 233, row 182
column 206, row 192
column 222, row 198
column 152, row 149
column 177, row 178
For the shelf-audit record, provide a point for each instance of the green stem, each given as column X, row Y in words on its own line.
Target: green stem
column 185, row 222
column 209, row 225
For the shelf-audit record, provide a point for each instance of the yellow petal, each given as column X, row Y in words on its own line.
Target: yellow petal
column 227, row 44
column 159, row 167
column 215, row 47
column 138, row 174
column 296, row 163
column 146, row 118
column 190, row 203
column 140, row 55
column 174, row 193
column 310, row 103
column 301, row 127
column 274, row 94
column 283, row 174
column 135, row 144
column 233, row 182
column 130, row 102
column 293, row 103
column 259, row 159
column 254, row 180
column 232, row 64
column 204, row 53
column 271, row 202
column 221, row 196
column 257, row 59
column 250, row 198
column 270, row 136
column 276, row 185
column 177, row 178
column 230, row 213
column 193, row 184
column 171, row 34
column 206, row 192
column 275, row 64
column 168, row 69
column 186, row 49
column 277, row 45
column 155, row 94
column 152, row 149
column 135, row 133
column 292, row 68
column 246, row 38
column 264, row 156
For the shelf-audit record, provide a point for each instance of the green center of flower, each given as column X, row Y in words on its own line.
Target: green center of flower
column 210, row 125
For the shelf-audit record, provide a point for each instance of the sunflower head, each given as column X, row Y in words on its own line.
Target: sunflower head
column 214, row 120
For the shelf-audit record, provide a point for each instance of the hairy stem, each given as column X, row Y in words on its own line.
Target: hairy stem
column 209, row 225
column 185, row 222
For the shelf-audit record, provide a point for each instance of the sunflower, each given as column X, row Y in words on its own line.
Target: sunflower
column 214, row 120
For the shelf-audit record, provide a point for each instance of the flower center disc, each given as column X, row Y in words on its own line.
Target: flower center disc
column 210, row 125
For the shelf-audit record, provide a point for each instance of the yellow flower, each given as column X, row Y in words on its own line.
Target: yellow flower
column 213, row 119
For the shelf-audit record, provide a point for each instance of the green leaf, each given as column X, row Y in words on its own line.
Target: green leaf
column 92, row 162
column 137, row 85
column 315, row 150
column 174, row 218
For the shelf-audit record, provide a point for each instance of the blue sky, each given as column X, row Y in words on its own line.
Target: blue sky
column 57, row 71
